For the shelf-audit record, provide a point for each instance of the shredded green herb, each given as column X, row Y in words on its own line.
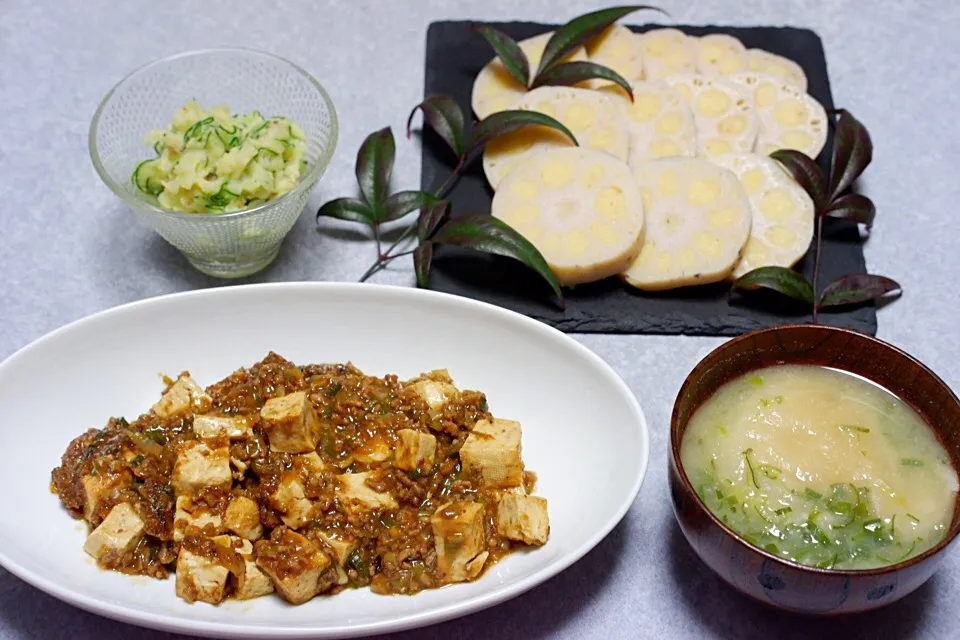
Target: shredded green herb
column 771, row 471
column 753, row 475
column 357, row 564
column 196, row 130
column 333, row 389
column 854, row 427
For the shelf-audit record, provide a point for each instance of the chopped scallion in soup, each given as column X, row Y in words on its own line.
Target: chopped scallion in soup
column 821, row 467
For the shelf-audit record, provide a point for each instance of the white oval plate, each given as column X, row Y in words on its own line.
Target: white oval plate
column 583, row 433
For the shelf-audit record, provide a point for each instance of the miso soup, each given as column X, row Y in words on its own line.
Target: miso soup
column 821, row 467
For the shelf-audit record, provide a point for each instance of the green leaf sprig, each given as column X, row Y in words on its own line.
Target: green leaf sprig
column 852, row 153
column 478, row 231
column 553, row 70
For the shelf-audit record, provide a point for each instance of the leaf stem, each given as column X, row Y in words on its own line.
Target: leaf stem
column 376, row 266
column 376, row 236
column 384, row 258
column 816, row 269
column 381, row 264
column 451, row 178
column 403, row 236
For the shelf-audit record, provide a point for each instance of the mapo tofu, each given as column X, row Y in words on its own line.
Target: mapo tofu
column 304, row 480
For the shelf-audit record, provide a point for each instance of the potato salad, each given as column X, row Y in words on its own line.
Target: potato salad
column 214, row 161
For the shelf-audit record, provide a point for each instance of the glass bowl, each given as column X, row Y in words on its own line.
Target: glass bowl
column 227, row 245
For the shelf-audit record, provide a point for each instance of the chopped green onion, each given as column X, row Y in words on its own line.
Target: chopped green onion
column 854, row 427
column 753, row 475
column 903, row 557
column 873, row 525
column 333, row 389
column 357, row 563
column 771, row 471
column 813, row 495
column 755, row 380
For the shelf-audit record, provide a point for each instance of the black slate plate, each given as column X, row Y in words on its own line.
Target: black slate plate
column 455, row 55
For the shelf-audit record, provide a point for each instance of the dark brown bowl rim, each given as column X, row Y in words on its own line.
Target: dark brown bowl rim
column 675, row 453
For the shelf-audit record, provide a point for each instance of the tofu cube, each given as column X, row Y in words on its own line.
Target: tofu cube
column 239, row 468
column 310, row 465
column 249, row 580
column 234, row 543
column 194, row 516
column 238, row 428
column 460, row 540
column 374, row 450
column 493, row 450
column 293, row 563
column 355, row 495
column 119, row 532
column 200, row 578
column 523, row 518
column 183, row 395
column 342, row 546
column 436, row 394
column 415, row 450
column 243, row 518
column 253, row 583
column 291, row 501
column 290, row 423
column 98, row 488
column 202, row 464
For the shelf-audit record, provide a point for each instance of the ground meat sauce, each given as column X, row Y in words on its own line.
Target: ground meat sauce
column 359, row 417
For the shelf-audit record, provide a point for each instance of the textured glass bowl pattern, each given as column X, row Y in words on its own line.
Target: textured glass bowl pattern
column 231, row 244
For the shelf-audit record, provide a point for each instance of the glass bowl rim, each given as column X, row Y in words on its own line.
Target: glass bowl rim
column 306, row 181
